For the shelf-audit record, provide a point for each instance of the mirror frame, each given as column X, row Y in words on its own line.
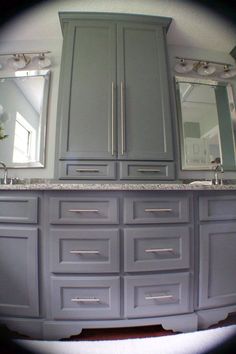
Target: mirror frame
column 232, row 111
column 45, row 73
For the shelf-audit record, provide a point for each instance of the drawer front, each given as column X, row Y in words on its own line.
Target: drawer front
column 147, row 249
column 154, row 210
column 147, row 170
column 157, row 295
column 84, row 250
column 84, row 211
column 19, row 210
column 217, row 208
column 87, row 170
column 85, row 298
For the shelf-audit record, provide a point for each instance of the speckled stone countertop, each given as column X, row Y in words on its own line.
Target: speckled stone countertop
column 114, row 186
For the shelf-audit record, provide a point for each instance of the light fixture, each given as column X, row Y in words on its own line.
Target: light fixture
column 183, row 66
column 205, row 68
column 228, row 72
column 41, row 61
column 20, row 60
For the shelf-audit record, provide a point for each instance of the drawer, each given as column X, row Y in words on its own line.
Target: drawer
column 83, row 210
column 154, row 210
column 147, row 249
column 85, row 298
column 84, row 250
column 19, row 210
column 217, row 207
column 147, row 170
column 87, row 170
column 157, row 295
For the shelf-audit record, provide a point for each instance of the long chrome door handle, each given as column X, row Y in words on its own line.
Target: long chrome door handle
column 158, row 297
column 85, row 299
column 159, row 250
column 112, row 116
column 87, row 170
column 148, row 170
column 83, row 210
column 122, row 116
column 157, row 210
column 84, row 252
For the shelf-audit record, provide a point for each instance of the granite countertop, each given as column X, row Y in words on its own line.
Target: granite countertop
column 113, row 186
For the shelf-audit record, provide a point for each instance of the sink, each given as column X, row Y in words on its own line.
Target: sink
column 201, row 183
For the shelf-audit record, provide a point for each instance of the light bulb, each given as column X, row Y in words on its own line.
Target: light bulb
column 228, row 73
column 206, row 69
column 18, row 61
column 183, row 67
column 41, row 61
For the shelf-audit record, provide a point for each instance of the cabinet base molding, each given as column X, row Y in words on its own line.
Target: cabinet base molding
column 206, row 318
column 31, row 328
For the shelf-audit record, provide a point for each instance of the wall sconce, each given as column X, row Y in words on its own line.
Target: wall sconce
column 19, row 61
column 203, row 67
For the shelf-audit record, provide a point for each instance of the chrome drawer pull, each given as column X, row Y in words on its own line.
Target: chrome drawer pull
column 84, row 252
column 158, row 297
column 83, row 210
column 159, row 250
column 148, row 170
column 157, row 210
column 87, row 170
column 85, row 299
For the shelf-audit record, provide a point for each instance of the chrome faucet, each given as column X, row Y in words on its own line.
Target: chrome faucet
column 218, row 169
column 5, row 172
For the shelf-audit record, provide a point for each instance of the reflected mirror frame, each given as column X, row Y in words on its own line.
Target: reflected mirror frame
column 45, row 73
column 232, row 110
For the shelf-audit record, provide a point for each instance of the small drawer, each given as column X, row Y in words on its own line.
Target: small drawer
column 85, row 298
column 146, row 170
column 83, row 210
column 154, row 210
column 84, row 250
column 87, row 170
column 219, row 207
column 19, row 210
column 157, row 295
column 147, row 249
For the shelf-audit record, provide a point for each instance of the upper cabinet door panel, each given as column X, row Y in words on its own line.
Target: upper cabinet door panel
column 143, row 108
column 89, row 130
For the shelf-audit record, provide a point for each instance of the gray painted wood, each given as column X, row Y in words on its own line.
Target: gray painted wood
column 83, row 210
column 217, row 264
column 104, row 290
column 84, row 250
column 14, row 209
column 86, row 125
column 105, row 170
column 19, row 271
column 133, row 170
column 155, row 249
column 155, row 295
column 151, row 209
column 218, row 207
column 141, row 67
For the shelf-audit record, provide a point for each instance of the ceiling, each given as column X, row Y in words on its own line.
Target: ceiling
column 192, row 24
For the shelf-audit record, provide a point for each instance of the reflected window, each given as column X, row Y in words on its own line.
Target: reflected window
column 24, row 140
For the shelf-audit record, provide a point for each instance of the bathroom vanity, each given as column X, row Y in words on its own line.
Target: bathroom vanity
column 77, row 256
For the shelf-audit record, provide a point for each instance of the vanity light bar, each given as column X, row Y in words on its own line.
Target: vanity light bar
column 19, row 60
column 203, row 67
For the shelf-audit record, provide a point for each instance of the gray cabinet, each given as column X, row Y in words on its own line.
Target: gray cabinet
column 19, row 271
column 114, row 96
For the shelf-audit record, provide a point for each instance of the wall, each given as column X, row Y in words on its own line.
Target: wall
column 11, row 40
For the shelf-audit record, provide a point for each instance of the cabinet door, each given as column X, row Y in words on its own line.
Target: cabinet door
column 143, row 106
column 87, row 90
column 217, row 265
column 18, row 271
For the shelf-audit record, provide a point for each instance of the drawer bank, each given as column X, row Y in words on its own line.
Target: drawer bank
column 93, row 256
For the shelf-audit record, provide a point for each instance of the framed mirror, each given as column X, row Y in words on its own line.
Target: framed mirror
column 207, row 123
column 23, row 118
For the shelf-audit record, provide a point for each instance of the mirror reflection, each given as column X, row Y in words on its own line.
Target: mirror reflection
column 204, row 109
column 23, row 115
